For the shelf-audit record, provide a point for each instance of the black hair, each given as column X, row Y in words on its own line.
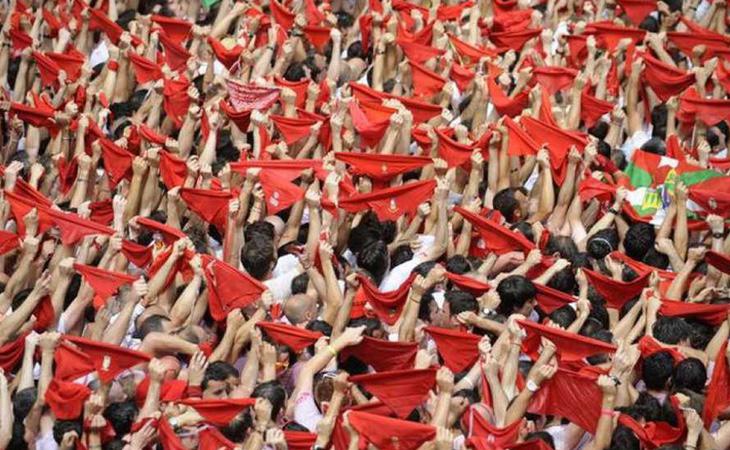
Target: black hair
column 624, row 439
column 458, row 264
column 61, row 427
column 274, row 392
column 374, row 258
column 689, row 374
column 121, row 415
column 656, row 259
column 505, row 202
column 460, row 301
column 300, row 283
column 257, row 257
column 671, row 330
column 402, row 253
column 599, row 130
column 514, row 291
column 218, row 371
column 295, row 72
column 656, row 370
column 259, row 229
column 563, row 281
column 524, row 227
column 649, row 24
column 563, row 316
column 638, row 240
column 541, row 436
column 23, row 401
column 655, row 145
column 563, row 246
column 153, row 323
column 602, row 243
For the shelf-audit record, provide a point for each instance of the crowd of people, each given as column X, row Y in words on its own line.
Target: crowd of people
column 350, row 224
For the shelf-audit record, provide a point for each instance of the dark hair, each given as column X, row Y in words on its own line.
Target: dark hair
column 649, row 24
column 121, row 415
column 218, row 371
column 458, row 264
column 363, row 234
column 505, row 202
column 541, row 436
column 524, row 227
column 300, row 283
column 563, row 281
column 689, row 374
column 256, row 257
column 401, row 254
column 460, row 301
column 260, row 228
column 655, row 145
column 602, row 243
column 295, row 72
column 321, row 326
column 23, row 401
column 514, row 291
column 153, row 323
column 563, row 316
column 563, row 246
column 656, row 259
column 638, row 240
column 61, row 427
column 671, row 330
column 374, row 258
column 624, row 439
column 274, row 392
column 657, row 370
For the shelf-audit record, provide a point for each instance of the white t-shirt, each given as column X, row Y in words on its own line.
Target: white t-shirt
column 400, row 273
column 306, row 412
column 635, row 141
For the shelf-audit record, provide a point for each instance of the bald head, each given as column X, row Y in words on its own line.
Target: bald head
column 300, row 309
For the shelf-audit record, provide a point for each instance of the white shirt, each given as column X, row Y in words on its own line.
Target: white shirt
column 400, row 273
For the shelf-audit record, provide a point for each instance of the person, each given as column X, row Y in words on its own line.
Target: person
column 284, row 224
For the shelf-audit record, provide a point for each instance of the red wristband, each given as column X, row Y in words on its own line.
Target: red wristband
column 112, row 65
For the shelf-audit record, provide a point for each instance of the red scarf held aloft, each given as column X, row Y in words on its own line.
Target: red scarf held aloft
column 422, row 111
column 713, row 315
column 293, row 337
column 383, row 355
column 472, row 52
column 103, row 282
column 106, row 359
column 387, row 305
column 8, row 241
column 175, row 54
column 371, row 131
column 453, row 152
column 177, row 30
column 570, row 347
column 458, row 349
column 169, row 234
column 11, row 353
column 520, row 143
column 391, row 203
column 592, row 108
column 280, row 194
column 210, row 205
column 506, row 106
column 381, row 167
column 469, row 284
column 719, row 261
column 117, row 161
column 478, row 427
column 418, row 53
column 666, row 81
column 212, row 439
column 73, row 228
column 287, row 169
column 426, row 83
column 495, row 237
column 293, row 129
column 401, row 390
column 65, row 399
column 173, row 170
column 230, row 288
column 590, row 188
column 570, row 395
column 712, row 195
column 608, row 35
column 554, row 79
column 227, row 56
column 144, row 69
column 558, row 142
column 514, row 40
column 391, row 434
column 282, row 16
column 637, row 10
column 709, row 111
column 616, row 292
column 219, row 412
column 549, row 299
column 299, row 440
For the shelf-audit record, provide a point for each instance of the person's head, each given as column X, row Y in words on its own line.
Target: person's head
column 299, row 309
column 602, row 243
column 274, row 392
column 121, row 415
column 561, row 247
column 511, row 203
column 61, row 427
column 218, row 378
column 374, row 259
column 563, row 316
column 656, row 370
column 689, row 374
column 258, row 258
column 458, row 264
column 154, row 323
column 300, row 284
column 655, row 258
column 655, row 145
column 517, row 295
column 23, row 401
column 671, row 330
column 638, row 240
column 563, row 281
column 458, row 302
column 624, row 439
column 402, row 253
